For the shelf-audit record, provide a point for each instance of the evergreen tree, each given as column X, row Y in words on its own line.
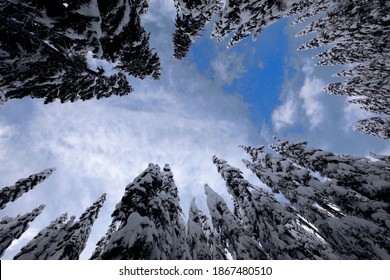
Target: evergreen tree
column 149, row 218
column 370, row 179
column 351, row 23
column 43, row 244
column 199, row 229
column 125, row 40
column 75, row 239
column 229, row 232
column 296, row 184
column 177, row 229
column 11, row 193
column 357, row 32
column 280, row 230
column 191, row 17
column 305, row 9
column 309, row 195
column 376, row 126
column 41, row 62
column 136, row 236
column 44, row 46
column 13, row 228
column 330, row 207
column 249, row 16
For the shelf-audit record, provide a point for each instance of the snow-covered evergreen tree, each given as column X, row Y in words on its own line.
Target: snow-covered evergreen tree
column 305, row 9
column 229, row 232
column 309, row 195
column 191, row 17
column 249, row 16
column 43, row 244
column 357, row 32
column 75, row 239
column 177, row 229
column 44, row 46
column 296, row 184
column 369, row 178
column 11, row 193
column 200, row 234
column 282, row 233
column 331, row 207
column 136, row 236
column 125, row 40
column 149, row 218
column 13, row 228
column 376, row 126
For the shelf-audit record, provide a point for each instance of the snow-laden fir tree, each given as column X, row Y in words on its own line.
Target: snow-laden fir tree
column 307, row 193
column 11, row 193
column 177, row 229
column 198, row 241
column 237, row 18
column 305, row 9
column 74, row 241
column 136, row 236
column 358, row 32
column 303, row 190
column 45, row 242
column 13, row 228
column 229, row 232
column 149, row 218
column 125, row 40
column 202, row 239
column 249, row 16
column 377, row 126
column 282, row 233
column 332, row 208
column 369, row 178
column 191, row 17
column 44, row 46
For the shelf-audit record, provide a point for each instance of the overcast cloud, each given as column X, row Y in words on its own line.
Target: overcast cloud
column 285, row 115
column 227, row 67
column 310, row 93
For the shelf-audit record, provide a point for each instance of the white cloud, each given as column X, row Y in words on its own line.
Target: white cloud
column 6, row 133
column 285, row 115
column 158, row 10
column 301, row 105
column 227, row 67
column 310, row 93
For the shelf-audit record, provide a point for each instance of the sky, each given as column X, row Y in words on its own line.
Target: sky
column 207, row 104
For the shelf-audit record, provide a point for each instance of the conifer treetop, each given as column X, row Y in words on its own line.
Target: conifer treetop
column 12, row 193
